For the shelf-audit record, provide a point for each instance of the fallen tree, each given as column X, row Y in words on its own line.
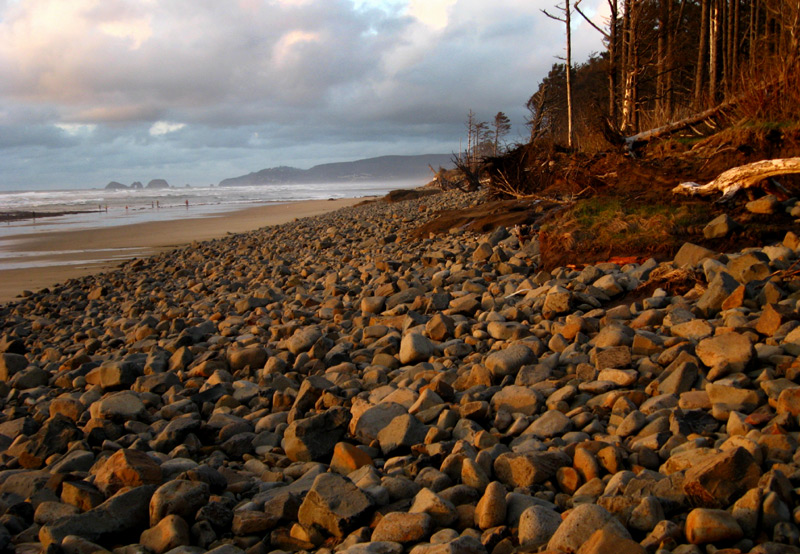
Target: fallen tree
column 674, row 127
column 730, row 182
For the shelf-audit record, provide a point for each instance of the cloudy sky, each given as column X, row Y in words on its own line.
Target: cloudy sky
column 195, row 91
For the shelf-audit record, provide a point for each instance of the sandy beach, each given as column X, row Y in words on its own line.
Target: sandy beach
column 67, row 255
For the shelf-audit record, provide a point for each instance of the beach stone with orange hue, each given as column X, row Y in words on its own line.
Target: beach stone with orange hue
column 114, row 375
column 568, row 479
column 119, row 406
column 314, row 438
column 415, row 348
column 731, row 351
column 442, row 511
column 334, row 505
column 127, row 468
column 180, row 497
column 720, row 480
column 348, row 458
column 123, row 515
column 11, row 364
column 789, row 402
column 581, row 523
column 403, row 527
column 773, row 316
column 491, row 509
column 68, row 407
column 525, row 470
column 404, row 431
column 171, row 532
column 604, row 541
column 691, row 254
column 247, row 522
column 537, row 525
column 704, row 526
column 81, row 494
column 254, row 357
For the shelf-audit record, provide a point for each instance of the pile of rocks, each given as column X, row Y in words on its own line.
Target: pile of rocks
column 326, row 385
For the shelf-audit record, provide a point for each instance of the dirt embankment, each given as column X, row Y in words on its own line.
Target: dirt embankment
column 592, row 207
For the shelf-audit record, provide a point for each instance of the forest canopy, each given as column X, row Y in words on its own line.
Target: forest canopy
column 667, row 59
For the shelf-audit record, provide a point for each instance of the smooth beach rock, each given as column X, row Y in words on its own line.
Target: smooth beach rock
column 11, row 364
column 720, row 480
column 730, row 350
column 705, row 526
column 581, row 523
column 119, row 406
column 719, row 227
column 403, row 527
column 509, row 360
column 537, row 525
column 441, row 511
column 315, row 437
column 334, row 505
column 127, row 468
column 415, row 348
column 180, row 497
column 403, row 431
column 171, row 532
column 491, row 509
column 122, row 516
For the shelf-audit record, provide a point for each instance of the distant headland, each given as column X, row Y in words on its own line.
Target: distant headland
column 137, row 185
column 382, row 168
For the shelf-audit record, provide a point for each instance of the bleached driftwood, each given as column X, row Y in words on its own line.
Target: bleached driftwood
column 730, row 182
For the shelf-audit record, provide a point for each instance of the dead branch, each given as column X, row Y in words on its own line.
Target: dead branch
column 702, row 117
column 730, row 182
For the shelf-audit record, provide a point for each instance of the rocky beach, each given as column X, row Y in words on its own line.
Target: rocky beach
column 332, row 384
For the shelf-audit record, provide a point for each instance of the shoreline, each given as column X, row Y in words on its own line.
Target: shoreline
column 68, row 255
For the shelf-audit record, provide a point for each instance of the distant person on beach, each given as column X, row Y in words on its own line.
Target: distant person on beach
column 187, row 203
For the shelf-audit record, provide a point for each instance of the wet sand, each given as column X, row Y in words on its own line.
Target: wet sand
column 66, row 255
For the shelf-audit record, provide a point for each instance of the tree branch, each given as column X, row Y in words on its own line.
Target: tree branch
column 592, row 23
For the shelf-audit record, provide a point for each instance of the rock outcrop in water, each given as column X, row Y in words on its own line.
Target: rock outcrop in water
column 157, row 184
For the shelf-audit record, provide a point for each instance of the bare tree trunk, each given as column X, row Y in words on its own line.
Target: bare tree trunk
column 567, row 16
column 661, row 55
column 613, row 54
column 713, row 49
column 735, row 43
column 629, row 66
column 701, row 54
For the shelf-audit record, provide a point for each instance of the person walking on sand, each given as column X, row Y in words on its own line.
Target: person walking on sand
column 187, row 203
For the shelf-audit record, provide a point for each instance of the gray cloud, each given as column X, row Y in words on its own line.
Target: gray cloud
column 241, row 85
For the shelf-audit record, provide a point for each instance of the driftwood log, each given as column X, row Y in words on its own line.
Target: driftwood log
column 730, row 182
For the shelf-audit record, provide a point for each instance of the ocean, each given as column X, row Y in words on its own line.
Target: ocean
column 100, row 208
column 104, row 208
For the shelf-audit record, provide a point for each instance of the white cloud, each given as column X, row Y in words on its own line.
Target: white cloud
column 433, row 13
column 165, row 127
column 75, row 129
